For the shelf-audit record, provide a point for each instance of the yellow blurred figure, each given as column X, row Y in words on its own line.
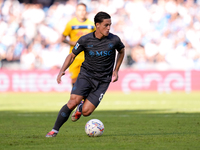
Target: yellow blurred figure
column 75, row 28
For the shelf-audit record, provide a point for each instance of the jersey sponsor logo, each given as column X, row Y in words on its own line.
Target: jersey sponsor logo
column 81, row 33
column 91, row 53
column 100, row 53
column 76, row 46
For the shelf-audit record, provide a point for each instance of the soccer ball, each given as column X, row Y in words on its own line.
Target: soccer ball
column 94, row 127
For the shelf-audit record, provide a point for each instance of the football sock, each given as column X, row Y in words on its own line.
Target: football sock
column 63, row 116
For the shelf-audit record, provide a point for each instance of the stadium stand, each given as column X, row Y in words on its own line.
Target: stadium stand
column 159, row 35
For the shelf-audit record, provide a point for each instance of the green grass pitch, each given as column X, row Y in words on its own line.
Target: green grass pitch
column 136, row 121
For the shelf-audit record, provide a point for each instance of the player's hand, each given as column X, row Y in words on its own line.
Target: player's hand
column 59, row 77
column 114, row 76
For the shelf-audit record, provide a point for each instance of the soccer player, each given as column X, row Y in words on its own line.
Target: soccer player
column 75, row 28
column 96, row 72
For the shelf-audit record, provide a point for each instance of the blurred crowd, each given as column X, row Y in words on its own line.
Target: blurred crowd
column 161, row 35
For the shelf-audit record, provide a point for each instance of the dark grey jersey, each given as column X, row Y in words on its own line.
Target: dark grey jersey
column 99, row 55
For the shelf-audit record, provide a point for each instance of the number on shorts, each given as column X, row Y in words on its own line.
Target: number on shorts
column 101, row 96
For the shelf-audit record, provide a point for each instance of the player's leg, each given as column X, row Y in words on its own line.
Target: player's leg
column 88, row 108
column 64, row 114
column 74, row 71
column 81, row 87
column 78, row 112
column 94, row 98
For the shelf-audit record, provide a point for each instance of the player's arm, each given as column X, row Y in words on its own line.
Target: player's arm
column 68, row 61
column 120, row 57
column 70, row 58
column 71, row 43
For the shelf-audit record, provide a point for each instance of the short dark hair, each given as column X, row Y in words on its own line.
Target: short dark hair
column 100, row 16
column 82, row 5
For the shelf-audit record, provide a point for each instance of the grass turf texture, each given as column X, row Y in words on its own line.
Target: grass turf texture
column 134, row 121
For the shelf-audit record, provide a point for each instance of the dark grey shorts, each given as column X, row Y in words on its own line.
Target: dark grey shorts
column 91, row 89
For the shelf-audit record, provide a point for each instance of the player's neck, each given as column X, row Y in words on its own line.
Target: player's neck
column 81, row 19
column 98, row 35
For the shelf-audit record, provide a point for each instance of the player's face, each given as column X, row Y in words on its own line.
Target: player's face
column 104, row 27
column 81, row 12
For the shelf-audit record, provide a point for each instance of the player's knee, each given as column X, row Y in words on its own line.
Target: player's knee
column 86, row 112
column 73, row 102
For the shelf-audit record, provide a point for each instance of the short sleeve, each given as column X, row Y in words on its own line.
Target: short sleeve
column 67, row 30
column 120, row 45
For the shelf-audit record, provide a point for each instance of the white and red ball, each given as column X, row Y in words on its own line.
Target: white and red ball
column 94, row 127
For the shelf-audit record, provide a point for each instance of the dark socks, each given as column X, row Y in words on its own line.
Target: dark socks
column 63, row 116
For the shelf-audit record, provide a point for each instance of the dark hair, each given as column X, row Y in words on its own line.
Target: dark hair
column 100, row 16
column 82, row 4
